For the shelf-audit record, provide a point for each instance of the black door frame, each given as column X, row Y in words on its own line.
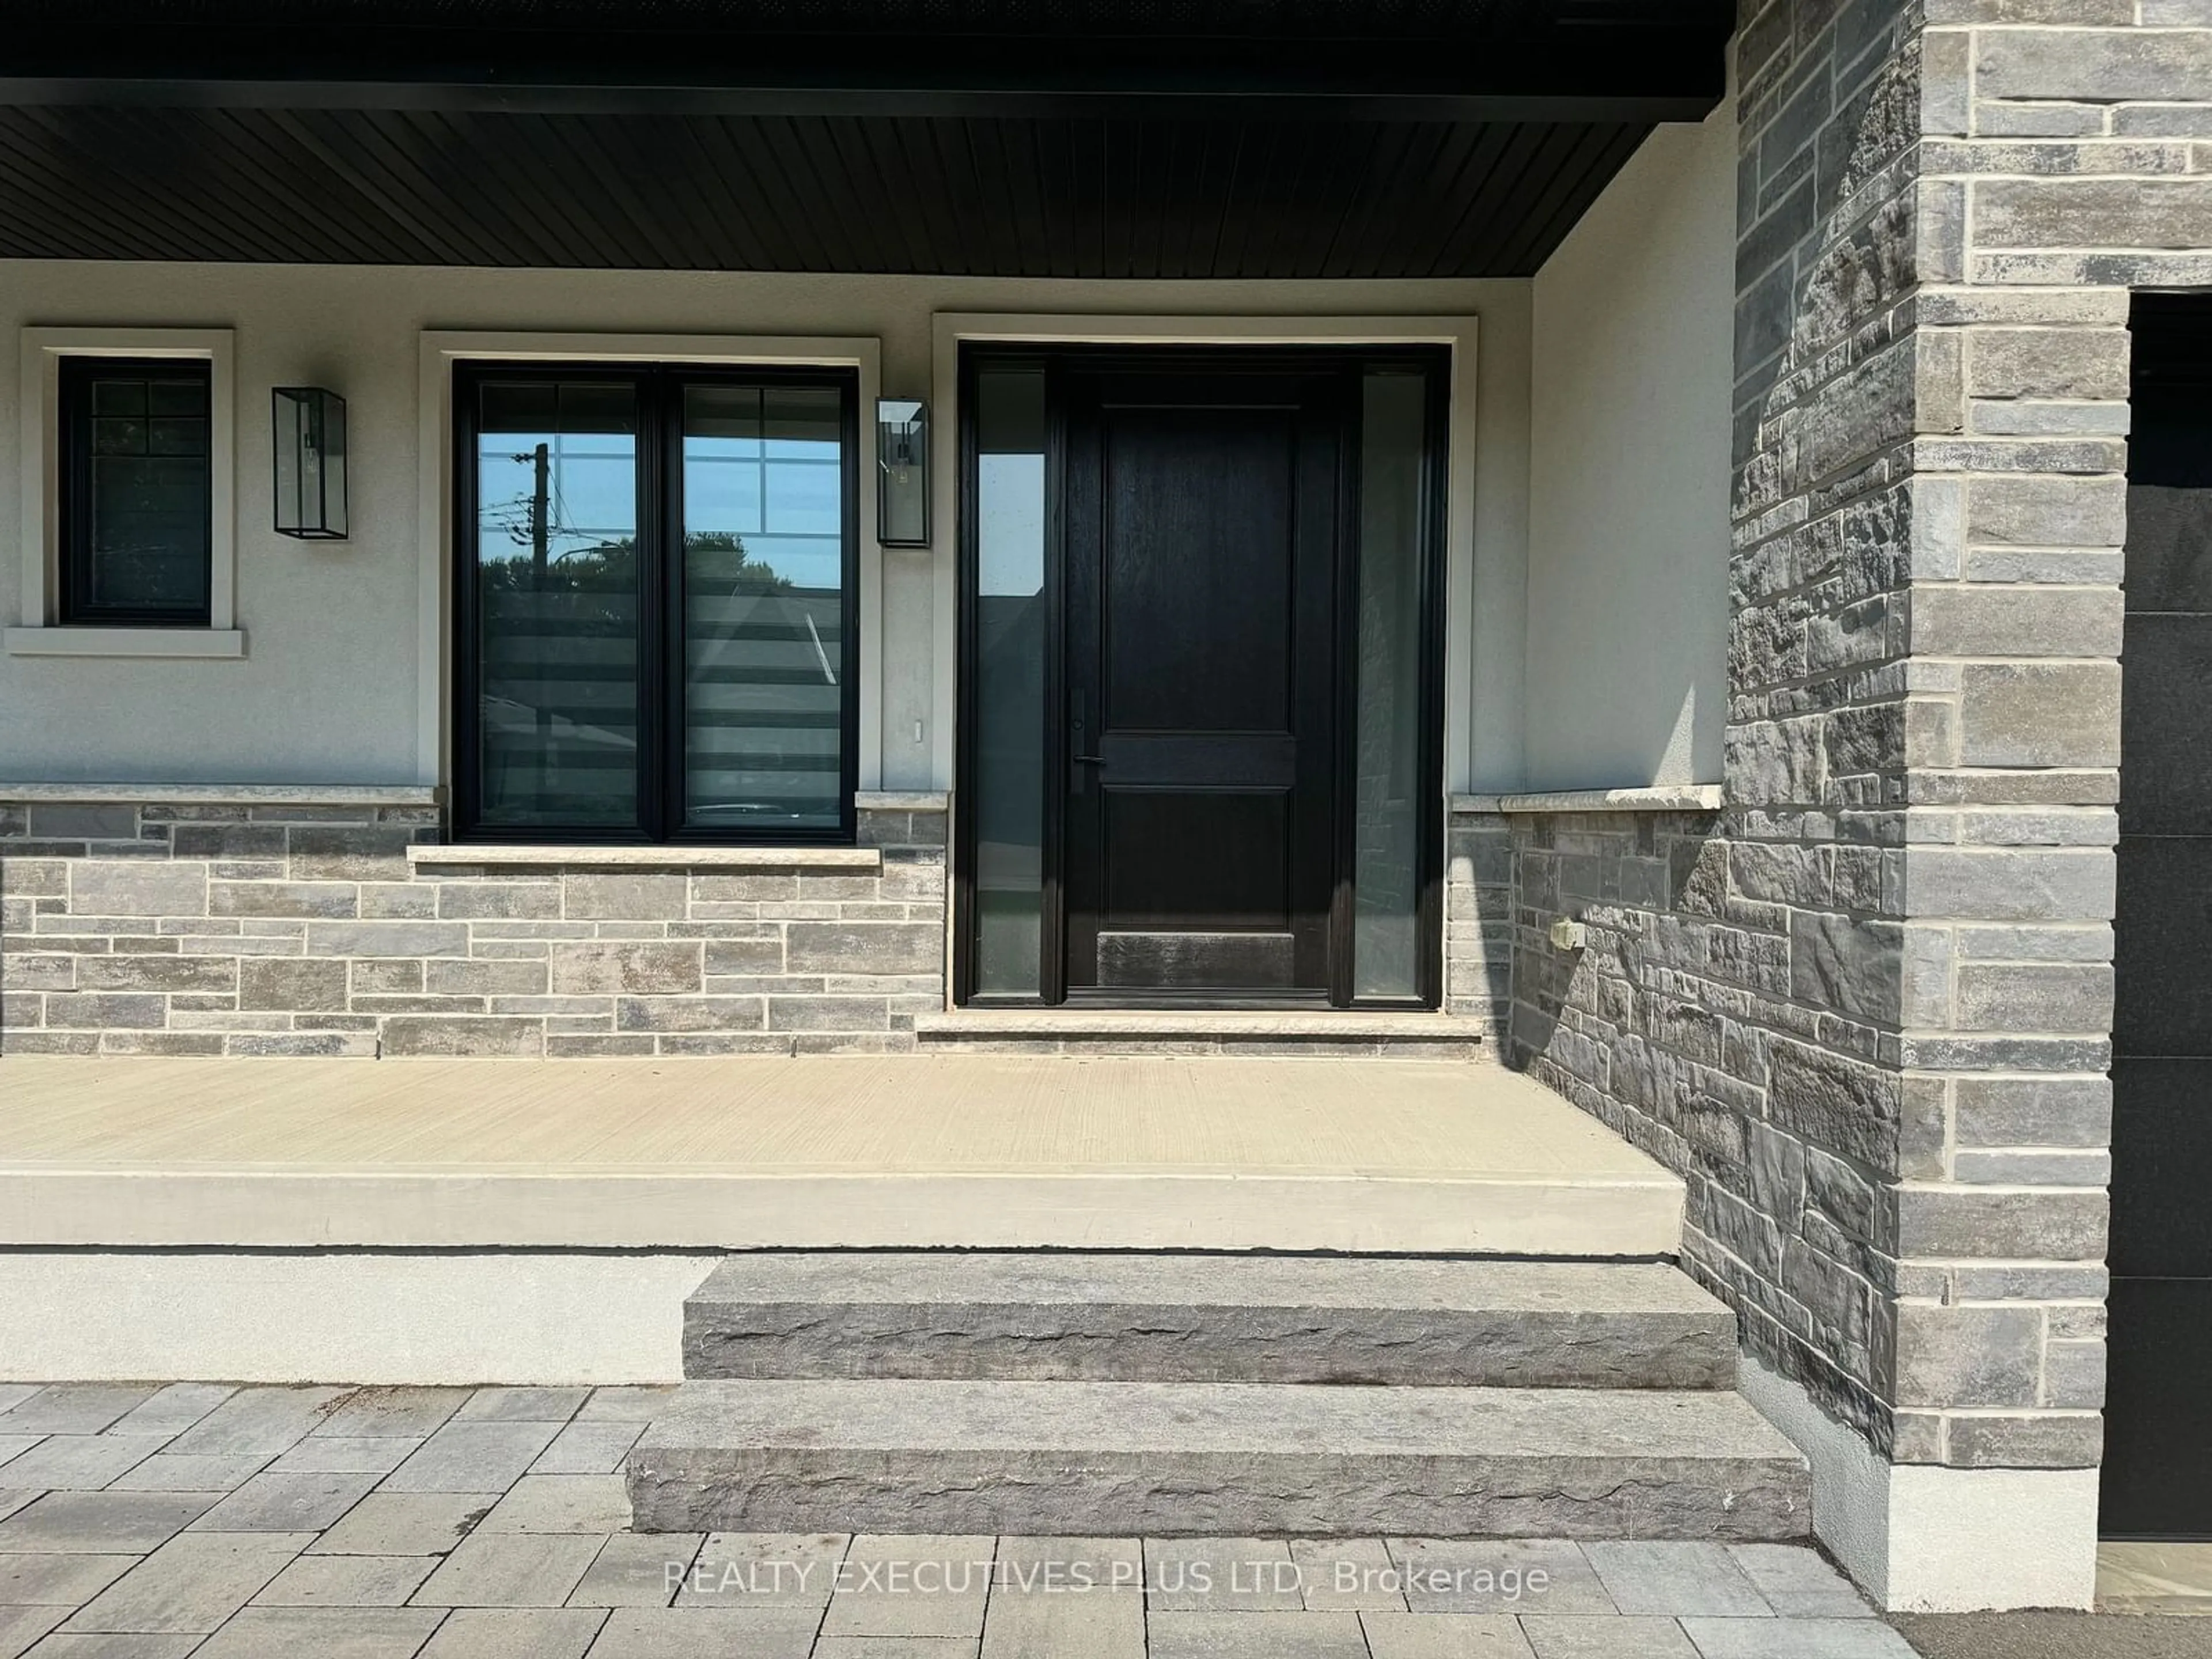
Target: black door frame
column 1053, row 359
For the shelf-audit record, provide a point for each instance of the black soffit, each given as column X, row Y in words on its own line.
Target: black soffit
column 1206, row 138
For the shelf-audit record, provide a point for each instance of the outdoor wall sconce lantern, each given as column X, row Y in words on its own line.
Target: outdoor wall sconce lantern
column 311, row 464
column 902, row 472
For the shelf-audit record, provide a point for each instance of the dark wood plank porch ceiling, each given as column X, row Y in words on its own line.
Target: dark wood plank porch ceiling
column 1206, row 138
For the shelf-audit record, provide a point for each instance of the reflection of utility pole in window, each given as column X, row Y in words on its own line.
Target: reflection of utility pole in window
column 540, row 536
column 815, row 633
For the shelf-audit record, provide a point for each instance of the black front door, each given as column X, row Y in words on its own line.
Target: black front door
column 1202, row 534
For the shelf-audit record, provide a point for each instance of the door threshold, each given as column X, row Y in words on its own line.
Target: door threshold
column 1171, row 1030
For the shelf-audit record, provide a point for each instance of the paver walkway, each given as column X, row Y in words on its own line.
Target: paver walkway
column 138, row 1522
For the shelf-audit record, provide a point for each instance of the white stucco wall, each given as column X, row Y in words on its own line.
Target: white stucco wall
column 1633, row 348
column 328, row 691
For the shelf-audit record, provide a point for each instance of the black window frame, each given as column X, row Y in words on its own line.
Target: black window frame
column 659, row 389
column 74, row 606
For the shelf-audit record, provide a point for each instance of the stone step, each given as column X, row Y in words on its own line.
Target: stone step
column 1235, row 1459
column 1331, row 1032
column 1048, row 1316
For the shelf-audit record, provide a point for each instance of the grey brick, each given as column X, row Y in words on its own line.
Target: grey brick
column 137, row 887
column 91, row 1011
column 635, row 967
column 350, row 853
column 864, row 948
column 2048, row 362
column 2034, row 1111
column 1968, row 1356
column 2041, row 714
column 2074, row 1441
column 623, row 897
column 228, row 841
column 157, row 972
column 689, row 1013
column 83, row 821
column 828, row 1014
column 1969, row 1222
column 387, row 938
column 2042, row 997
column 479, row 978
column 460, row 900
column 282, row 898
column 300, row 984
column 419, row 1034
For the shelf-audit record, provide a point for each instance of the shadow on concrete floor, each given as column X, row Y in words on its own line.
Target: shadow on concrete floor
column 2054, row 1636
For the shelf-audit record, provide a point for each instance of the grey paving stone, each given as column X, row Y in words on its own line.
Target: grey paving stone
column 561, row 1503
column 189, row 1472
column 103, row 1523
column 347, row 1581
column 1512, row 1575
column 515, row 1633
column 637, row 1570
column 392, row 1413
column 919, row 1585
column 1347, row 1575
column 324, row 1632
column 80, row 1462
column 12, row 1501
column 73, row 1408
column 287, row 1502
column 892, row 1647
column 264, row 1421
column 192, row 1583
column 1669, row 1580
column 58, row 1581
column 1800, row 1582
column 472, row 1456
column 21, row 1626
column 405, row 1523
column 510, row 1570
column 1796, row 1638
column 705, row 1633
column 104, row 1645
column 765, row 1570
column 1066, row 1598
column 13, row 1395
column 1245, row 1575
column 1256, row 1635
column 1096, row 1624
column 175, row 1408
column 1444, row 1635
column 522, row 1405
column 588, row 1449
column 1607, row 1638
column 333, row 1454
column 13, row 1446
column 627, row 1403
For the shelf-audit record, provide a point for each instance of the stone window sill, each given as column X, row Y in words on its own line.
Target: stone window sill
column 496, row 856
column 221, row 794
column 125, row 643
column 1658, row 798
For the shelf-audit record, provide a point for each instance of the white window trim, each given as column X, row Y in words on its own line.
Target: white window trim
column 1478, row 594
column 441, row 348
column 41, row 633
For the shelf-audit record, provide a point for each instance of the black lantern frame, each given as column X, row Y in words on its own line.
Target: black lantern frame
column 309, row 463
column 902, row 473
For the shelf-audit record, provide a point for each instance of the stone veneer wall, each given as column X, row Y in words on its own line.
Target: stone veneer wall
column 298, row 925
column 1868, row 1014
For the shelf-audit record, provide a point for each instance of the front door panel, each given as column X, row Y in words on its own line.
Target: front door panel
column 1202, row 544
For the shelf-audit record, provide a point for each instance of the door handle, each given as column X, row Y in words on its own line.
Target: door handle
column 1077, row 744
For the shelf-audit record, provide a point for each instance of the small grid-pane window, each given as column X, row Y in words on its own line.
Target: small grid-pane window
column 136, row 538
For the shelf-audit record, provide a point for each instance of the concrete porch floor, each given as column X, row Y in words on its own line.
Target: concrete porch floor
column 974, row 1151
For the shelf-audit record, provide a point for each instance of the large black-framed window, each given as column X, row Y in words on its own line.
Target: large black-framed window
column 137, row 519
column 656, row 589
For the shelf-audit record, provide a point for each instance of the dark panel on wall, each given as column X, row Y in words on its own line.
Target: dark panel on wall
column 957, row 197
column 2158, row 1459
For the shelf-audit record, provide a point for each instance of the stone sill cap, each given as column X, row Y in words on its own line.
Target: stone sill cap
column 225, row 794
column 902, row 800
column 1656, row 797
column 463, row 853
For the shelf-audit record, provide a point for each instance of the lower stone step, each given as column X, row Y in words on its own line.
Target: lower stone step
column 1316, row 1033
column 1047, row 1316
column 1214, row 1459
